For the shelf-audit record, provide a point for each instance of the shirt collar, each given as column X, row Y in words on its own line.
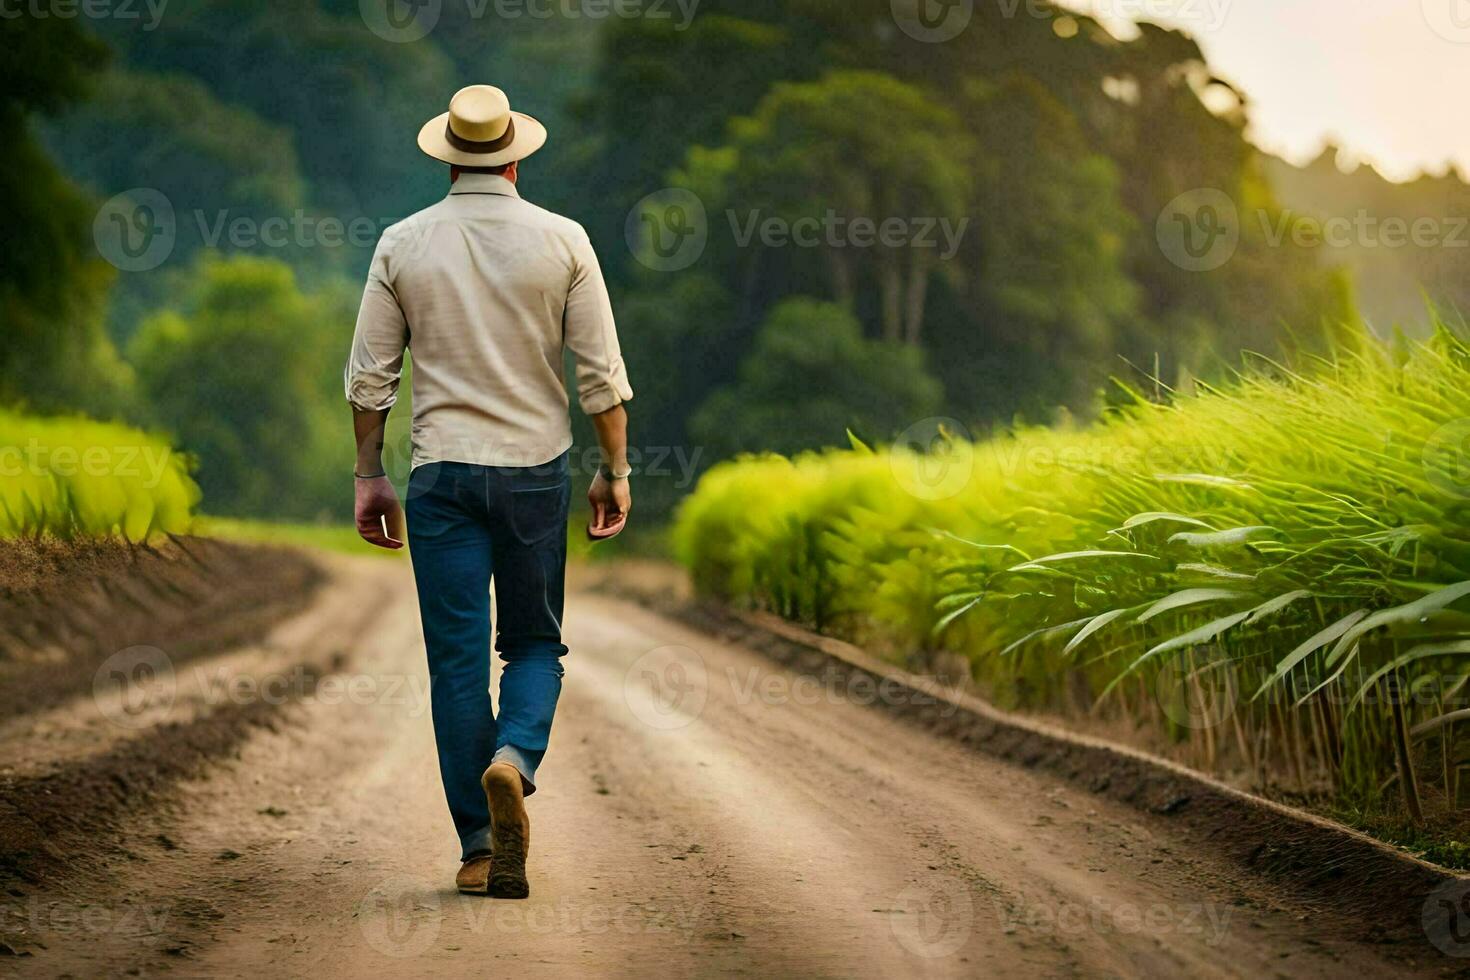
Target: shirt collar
column 483, row 184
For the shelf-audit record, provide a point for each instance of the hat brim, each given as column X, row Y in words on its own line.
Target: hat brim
column 530, row 137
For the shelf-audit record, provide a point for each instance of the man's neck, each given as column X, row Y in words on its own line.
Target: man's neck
column 455, row 173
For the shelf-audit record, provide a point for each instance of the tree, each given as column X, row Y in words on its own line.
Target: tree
column 685, row 84
column 352, row 100
column 52, row 283
column 237, row 374
column 214, row 163
column 1047, row 285
column 856, row 145
column 810, row 377
column 1177, row 129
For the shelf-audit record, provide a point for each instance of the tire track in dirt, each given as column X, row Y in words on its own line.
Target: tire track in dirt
column 66, row 607
column 70, row 774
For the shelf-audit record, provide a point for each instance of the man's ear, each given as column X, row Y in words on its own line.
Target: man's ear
column 514, row 173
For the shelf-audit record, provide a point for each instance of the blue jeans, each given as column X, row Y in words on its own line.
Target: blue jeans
column 464, row 523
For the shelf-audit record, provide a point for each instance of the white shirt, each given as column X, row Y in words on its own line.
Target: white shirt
column 487, row 291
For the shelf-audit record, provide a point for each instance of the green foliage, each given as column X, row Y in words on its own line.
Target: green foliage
column 169, row 132
column 351, row 101
column 686, row 84
column 73, row 476
column 1201, row 538
column 1061, row 152
column 54, row 352
column 690, row 331
column 809, row 375
column 854, row 145
column 215, row 163
column 1047, row 260
column 342, row 538
column 244, row 373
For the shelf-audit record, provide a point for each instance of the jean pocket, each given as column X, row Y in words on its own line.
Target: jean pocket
column 538, row 512
column 427, row 480
column 430, row 502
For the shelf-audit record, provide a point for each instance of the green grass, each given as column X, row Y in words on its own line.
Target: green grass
column 1169, row 565
column 341, row 538
column 71, row 476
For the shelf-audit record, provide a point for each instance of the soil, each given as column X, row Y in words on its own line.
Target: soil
column 71, row 607
column 67, row 606
column 703, row 811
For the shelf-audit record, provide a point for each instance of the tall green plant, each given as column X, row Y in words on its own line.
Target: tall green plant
column 1276, row 572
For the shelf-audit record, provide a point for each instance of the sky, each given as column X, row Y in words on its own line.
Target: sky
column 1387, row 79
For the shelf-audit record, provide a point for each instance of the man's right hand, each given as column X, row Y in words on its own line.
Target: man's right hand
column 377, row 504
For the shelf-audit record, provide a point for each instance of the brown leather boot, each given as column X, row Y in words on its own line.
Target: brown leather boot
column 510, row 830
column 474, row 876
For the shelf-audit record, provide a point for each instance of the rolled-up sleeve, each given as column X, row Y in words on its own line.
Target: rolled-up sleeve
column 592, row 336
column 376, row 362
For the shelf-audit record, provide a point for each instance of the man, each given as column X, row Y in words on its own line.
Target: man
column 488, row 292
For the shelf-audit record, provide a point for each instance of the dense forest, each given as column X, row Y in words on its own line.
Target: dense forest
column 269, row 144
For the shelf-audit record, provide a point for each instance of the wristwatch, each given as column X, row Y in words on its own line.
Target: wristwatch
column 606, row 472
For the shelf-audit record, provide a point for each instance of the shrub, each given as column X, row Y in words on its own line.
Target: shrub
column 73, row 476
column 1272, row 571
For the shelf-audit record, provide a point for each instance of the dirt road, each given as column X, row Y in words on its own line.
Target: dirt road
column 702, row 813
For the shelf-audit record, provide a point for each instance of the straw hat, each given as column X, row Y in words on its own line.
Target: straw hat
column 480, row 130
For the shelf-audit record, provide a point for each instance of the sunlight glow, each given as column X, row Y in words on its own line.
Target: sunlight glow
column 1381, row 78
